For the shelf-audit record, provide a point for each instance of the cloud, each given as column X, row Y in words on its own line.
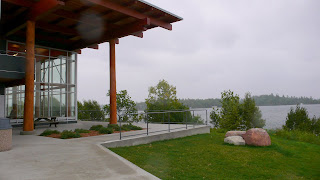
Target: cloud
column 258, row 46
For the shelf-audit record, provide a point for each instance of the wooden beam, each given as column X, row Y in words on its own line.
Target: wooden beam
column 29, row 78
column 40, row 37
column 55, row 28
column 129, row 12
column 122, row 31
column 75, row 17
column 43, row 7
column 23, row 3
column 113, row 89
column 138, row 34
column 95, row 46
column 37, row 10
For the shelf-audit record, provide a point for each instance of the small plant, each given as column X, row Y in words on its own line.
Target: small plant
column 48, row 132
column 105, row 130
column 96, row 127
column 115, row 127
column 128, row 127
column 81, row 131
column 69, row 134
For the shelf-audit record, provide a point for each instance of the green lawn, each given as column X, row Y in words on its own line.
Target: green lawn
column 207, row 157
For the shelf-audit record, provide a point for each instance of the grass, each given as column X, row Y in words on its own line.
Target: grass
column 207, row 157
column 297, row 135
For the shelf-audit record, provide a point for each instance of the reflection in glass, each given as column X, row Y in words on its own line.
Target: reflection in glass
column 55, row 85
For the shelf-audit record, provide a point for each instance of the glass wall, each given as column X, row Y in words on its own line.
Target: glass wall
column 55, row 84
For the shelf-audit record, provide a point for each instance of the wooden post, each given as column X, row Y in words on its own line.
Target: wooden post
column 29, row 77
column 113, row 90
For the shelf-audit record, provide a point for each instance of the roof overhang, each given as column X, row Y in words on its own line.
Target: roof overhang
column 77, row 24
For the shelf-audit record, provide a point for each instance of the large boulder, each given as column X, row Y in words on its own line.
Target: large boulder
column 235, row 133
column 257, row 137
column 235, row 140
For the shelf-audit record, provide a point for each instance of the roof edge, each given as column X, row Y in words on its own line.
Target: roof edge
column 165, row 11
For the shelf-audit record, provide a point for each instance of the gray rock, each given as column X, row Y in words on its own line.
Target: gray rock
column 235, row 133
column 235, row 140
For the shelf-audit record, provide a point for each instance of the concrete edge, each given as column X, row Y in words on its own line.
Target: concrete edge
column 27, row 132
column 156, row 137
column 140, row 171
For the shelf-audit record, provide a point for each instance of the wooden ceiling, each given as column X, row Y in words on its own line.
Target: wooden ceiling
column 77, row 24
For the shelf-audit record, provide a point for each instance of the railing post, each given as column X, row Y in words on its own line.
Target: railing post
column 186, row 120
column 169, row 122
column 163, row 117
column 120, row 126
column 206, row 117
column 147, row 125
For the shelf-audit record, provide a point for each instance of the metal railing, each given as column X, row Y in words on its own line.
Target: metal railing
column 149, row 118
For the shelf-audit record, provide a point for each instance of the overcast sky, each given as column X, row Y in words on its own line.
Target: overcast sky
column 257, row 46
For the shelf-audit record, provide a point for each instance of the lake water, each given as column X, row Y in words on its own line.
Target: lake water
column 275, row 116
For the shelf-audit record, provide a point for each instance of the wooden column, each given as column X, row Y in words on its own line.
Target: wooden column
column 29, row 77
column 113, row 90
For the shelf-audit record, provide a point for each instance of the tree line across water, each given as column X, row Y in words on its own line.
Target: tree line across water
column 262, row 100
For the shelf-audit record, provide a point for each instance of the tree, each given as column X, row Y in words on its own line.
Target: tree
column 125, row 106
column 234, row 115
column 230, row 111
column 298, row 119
column 251, row 114
column 163, row 97
column 90, row 110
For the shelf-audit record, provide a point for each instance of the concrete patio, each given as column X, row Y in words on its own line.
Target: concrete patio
column 35, row 157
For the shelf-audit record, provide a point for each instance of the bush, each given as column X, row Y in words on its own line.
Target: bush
column 81, row 131
column 315, row 125
column 115, row 127
column 69, row 134
column 129, row 127
column 105, row 130
column 236, row 115
column 96, row 127
column 297, row 119
column 298, row 135
column 48, row 132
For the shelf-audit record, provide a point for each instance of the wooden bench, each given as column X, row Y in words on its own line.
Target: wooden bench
column 48, row 120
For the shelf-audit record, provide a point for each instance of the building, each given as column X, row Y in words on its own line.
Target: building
column 39, row 44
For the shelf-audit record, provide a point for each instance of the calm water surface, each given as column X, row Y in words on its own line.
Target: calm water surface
column 275, row 116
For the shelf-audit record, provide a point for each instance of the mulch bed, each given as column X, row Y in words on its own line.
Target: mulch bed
column 91, row 133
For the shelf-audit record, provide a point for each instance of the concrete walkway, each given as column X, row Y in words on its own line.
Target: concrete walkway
column 35, row 157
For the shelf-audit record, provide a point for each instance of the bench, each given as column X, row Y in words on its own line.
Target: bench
column 48, row 120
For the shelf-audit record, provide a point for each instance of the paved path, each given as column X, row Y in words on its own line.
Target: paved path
column 35, row 157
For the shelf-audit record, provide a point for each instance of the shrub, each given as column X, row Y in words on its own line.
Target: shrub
column 298, row 135
column 236, row 115
column 69, row 134
column 96, row 127
column 105, row 130
column 81, row 131
column 129, row 127
column 115, row 127
column 297, row 119
column 197, row 119
column 48, row 132
column 315, row 125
